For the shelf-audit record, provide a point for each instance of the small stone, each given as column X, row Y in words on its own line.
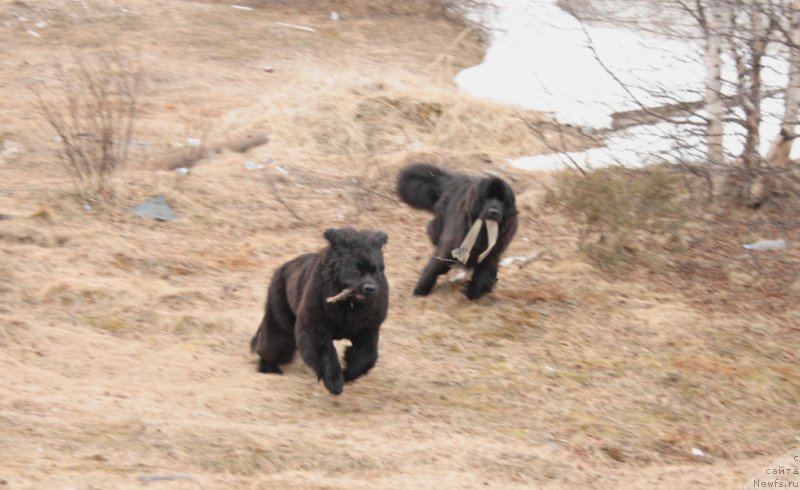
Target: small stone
column 510, row 260
column 156, row 208
column 269, row 68
column 9, row 151
column 251, row 165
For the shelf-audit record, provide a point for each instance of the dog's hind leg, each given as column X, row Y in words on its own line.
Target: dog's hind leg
column 362, row 355
column 275, row 342
column 484, row 278
column 435, row 268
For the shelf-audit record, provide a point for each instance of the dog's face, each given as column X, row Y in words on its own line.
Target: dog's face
column 358, row 257
column 496, row 200
column 492, row 210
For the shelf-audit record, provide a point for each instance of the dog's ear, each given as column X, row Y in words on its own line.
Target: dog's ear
column 333, row 236
column 511, row 201
column 379, row 238
column 508, row 196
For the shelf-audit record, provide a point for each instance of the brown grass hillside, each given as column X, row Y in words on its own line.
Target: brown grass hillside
column 124, row 342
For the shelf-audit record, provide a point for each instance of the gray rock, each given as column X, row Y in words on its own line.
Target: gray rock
column 156, row 208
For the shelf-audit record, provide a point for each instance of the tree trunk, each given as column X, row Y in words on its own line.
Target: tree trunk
column 715, row 151
column 781, row 147
column 752, row 93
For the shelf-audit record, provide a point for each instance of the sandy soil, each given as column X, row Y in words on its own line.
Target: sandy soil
column 124, row 342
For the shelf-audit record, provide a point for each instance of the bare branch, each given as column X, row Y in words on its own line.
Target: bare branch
column 92, row 108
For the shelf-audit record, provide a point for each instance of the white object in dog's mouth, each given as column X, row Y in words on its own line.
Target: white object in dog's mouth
column 462, row 253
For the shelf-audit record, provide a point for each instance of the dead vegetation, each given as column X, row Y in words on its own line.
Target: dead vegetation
column 125, row 341
column 659, row 220
column 629, row 217
column 347, row 115
column 91, row 105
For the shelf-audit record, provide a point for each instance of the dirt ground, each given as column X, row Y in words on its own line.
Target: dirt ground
column 124, row 342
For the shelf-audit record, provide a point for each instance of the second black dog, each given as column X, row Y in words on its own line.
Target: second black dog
column 457, row 202
column 314, row 299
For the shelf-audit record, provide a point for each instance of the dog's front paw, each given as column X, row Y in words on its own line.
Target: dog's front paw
column 268, row 367
column 352, row 374
column 334, row 383
column 422, row 290
column 475, row 292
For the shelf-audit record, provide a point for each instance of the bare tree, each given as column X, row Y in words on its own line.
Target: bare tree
column 714, row 106
column 780, row 150
column 747, row 40
column 710, row 19
column 741, row 41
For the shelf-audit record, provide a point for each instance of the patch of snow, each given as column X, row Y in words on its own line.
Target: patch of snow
column 541, row 58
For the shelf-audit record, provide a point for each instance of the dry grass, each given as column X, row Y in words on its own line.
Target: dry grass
column 629, row 217
column 346, row 114
column 124, row 341
column 654, row 223
column 559, row 364
column 430, row 9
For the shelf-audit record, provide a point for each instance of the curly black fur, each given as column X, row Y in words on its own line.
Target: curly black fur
column 297, row 316
column 457, row 201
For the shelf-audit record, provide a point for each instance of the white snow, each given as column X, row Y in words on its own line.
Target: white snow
column 640, row 145
column 542, row 58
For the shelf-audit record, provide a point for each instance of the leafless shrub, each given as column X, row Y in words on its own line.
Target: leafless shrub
column 625, row 213
column 370, row 178
column 92, row 105
column 276, row 193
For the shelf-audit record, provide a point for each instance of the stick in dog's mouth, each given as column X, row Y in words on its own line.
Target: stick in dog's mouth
column 462, row 253
column 343, row 295
column 491, row 236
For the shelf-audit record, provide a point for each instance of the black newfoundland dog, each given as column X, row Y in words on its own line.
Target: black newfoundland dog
column 475, row 219
column 314, row 299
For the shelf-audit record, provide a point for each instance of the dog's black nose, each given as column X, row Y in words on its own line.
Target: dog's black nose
column 368, row 288
column 493, row 214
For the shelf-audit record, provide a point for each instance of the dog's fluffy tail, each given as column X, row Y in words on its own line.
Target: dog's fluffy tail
column 420, row 185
